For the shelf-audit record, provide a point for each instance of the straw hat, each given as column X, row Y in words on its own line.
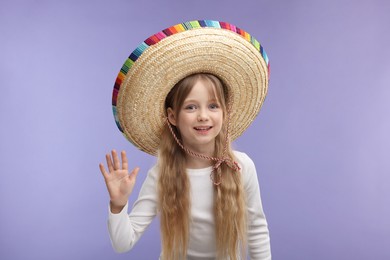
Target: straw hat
column 165, row 58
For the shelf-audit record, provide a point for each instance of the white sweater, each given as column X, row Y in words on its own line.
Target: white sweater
column 125, row 230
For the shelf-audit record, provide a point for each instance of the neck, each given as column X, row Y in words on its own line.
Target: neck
column 197, row 163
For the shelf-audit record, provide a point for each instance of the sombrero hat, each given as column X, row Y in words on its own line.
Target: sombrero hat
column 165, row 58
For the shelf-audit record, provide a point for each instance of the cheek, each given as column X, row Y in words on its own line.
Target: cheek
column 218, row 120
column 185, row 120
column 220, row 116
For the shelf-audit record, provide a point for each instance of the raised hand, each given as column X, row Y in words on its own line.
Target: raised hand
column 119, row 182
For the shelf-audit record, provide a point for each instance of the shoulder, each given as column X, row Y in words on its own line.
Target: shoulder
column 151, row 178
column 153, row 172
column 248, row 168
column 243, row 160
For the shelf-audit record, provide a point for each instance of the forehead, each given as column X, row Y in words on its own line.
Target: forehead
column 203, row 88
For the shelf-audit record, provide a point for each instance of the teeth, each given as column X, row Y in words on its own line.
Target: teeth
column 203, row 128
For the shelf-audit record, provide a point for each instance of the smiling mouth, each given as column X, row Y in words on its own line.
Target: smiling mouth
column 203, row 128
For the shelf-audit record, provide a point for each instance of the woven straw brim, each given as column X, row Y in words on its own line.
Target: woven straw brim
column 229, row 56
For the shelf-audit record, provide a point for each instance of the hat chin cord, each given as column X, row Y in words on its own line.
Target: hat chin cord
column 216, row 174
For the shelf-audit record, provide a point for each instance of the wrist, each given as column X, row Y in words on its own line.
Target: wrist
column 117, row 207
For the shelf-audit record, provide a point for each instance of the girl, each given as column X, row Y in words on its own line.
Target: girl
column 207, row 196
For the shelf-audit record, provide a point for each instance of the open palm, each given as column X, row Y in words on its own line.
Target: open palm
column 119, row 182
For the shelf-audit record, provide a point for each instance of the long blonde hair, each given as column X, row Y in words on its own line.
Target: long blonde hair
column 174, row 186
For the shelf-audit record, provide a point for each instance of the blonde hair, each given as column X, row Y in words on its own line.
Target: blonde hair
column 174, row 186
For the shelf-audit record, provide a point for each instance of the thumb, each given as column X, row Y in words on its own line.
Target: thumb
column 134, row 173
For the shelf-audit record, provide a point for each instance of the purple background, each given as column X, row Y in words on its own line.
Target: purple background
column 321, row 142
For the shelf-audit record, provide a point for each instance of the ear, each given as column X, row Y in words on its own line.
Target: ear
column 171, row 116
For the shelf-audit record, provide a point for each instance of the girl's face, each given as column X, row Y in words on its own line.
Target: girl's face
column 199, row 119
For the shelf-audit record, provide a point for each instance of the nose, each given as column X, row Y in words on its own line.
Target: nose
column 203, row 115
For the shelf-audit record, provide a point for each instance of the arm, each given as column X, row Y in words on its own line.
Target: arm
column 125, row 230
column 258, row 234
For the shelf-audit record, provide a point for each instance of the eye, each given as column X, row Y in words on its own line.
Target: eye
column 190, row 107
column 214, row 106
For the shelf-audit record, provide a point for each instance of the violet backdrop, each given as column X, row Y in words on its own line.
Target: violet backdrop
column 320, row 143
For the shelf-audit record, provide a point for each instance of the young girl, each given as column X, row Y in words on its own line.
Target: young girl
column 207, row 196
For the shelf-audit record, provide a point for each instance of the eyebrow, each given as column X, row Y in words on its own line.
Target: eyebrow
column 195, row 101
column 189, row 101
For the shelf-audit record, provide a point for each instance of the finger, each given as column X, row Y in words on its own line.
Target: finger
column 124, row 161
column 109, row 163
column 103, row 170
column 134, row 173
column 116, row 160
